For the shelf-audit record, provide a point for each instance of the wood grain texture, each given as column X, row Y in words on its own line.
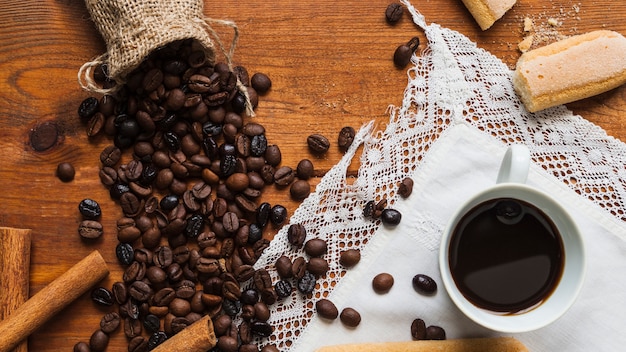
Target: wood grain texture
column 330, row 63
column 15, row 268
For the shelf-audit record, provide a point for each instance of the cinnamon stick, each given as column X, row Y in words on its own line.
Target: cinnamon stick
column 51, row 299
column 197, row 337
column 14, row 265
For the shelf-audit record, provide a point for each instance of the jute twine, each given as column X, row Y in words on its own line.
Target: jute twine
column 132, row 29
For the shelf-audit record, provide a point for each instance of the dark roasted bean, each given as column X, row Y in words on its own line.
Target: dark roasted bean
column 418, row 329
column 318, row 144
column 349, row 257
column 156, row 339
column 278, row 214
column 393, row 13
column 124, row 253
column 306, row 284
column 260, row 82
column 90, row 209
column 346, row 137
column 283, row 288
column 102, row 296
column 406, row 187
column 65, row 172
column 435, row 333
column 98, row 341
column 296, row 235
column 391, row 217
column 350, row 317
column 382, row 282
column 151, row 323
column 424, row 284
column 326, row 309
column 110, row 322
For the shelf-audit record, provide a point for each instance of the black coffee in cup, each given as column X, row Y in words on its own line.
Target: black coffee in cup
column 506, row 255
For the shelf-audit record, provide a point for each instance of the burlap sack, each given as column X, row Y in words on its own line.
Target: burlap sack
column 132, row 29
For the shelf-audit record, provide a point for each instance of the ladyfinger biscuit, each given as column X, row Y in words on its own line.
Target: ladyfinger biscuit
column 487, row 12
column 571, row 69
column 491, row 344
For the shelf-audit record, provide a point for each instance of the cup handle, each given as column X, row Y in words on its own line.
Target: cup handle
column 515, row 164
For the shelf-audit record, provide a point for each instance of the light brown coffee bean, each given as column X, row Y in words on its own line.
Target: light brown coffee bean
column 326, row 309
column 350, row 317
column 382, row 282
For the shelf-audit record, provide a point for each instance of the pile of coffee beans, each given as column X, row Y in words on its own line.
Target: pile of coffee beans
column 190, row 194
column 419, row 331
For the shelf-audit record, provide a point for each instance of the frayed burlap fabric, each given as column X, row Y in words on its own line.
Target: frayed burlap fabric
column 132, row 29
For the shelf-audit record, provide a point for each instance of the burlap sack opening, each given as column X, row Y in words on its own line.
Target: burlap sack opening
column 132, row 29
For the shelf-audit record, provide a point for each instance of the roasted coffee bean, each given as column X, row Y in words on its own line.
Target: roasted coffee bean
column 169, row 202
column 283, row 288
column 317, row 266
column 108, row 176
column 403, row 53
column 266, row 171
column 227, row 344
column 273, row 156
column 140, row 291
column 221, row 324
column 306, row 284
column 151, row 323
column 138, row 344
column 393, row 13
column 130, row 204
column 435, row 333
column 90, row 229
column 185, row 289
column 424, row 284
column 249, row 296
column 391, row 217
column 283, row 176
column 305, row 169
column 228, row 165
column 382, row 282
column 261, row 311
column 349, row 257
column 81, row 347
column 88, row 108
column 278, row 214
column 89, row 208
column 152, row 79
column 194, row 226
column 284, row 267
column 118, row 189
column 231, row 290
column 261, row 328
column 296, row 235
column 258, row 145
column 231, row 307
column 350, row 317
column 253, row 129
column 164, row 296
column 132, row 327
column 315, row 247
column 110, row 322
column 65, row 172
column 263, row 214
column 156, row 275
column 298, row 267
column 260, row 82
column 406, row 187
column 255, row 233
column 163, row 257
column 102, row 296
column 156, row 339
column 180, row 307
column 96, row 124
column 346, row 137
column 326, row 309
column 300, row 189
column 418, row 329
column 120, row 292
column 110, row 156
column 318, row 144
column 98, row 341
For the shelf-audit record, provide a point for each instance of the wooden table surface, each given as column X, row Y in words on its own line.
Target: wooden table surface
column 330, row 63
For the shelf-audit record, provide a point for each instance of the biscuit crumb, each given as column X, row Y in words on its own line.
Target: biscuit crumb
column 528, row 24
column 553, row 22
column 526, row 44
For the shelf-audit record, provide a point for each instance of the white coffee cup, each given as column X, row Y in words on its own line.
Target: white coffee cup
column 511, row 184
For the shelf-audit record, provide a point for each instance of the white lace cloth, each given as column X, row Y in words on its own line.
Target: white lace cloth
column 453, row 84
